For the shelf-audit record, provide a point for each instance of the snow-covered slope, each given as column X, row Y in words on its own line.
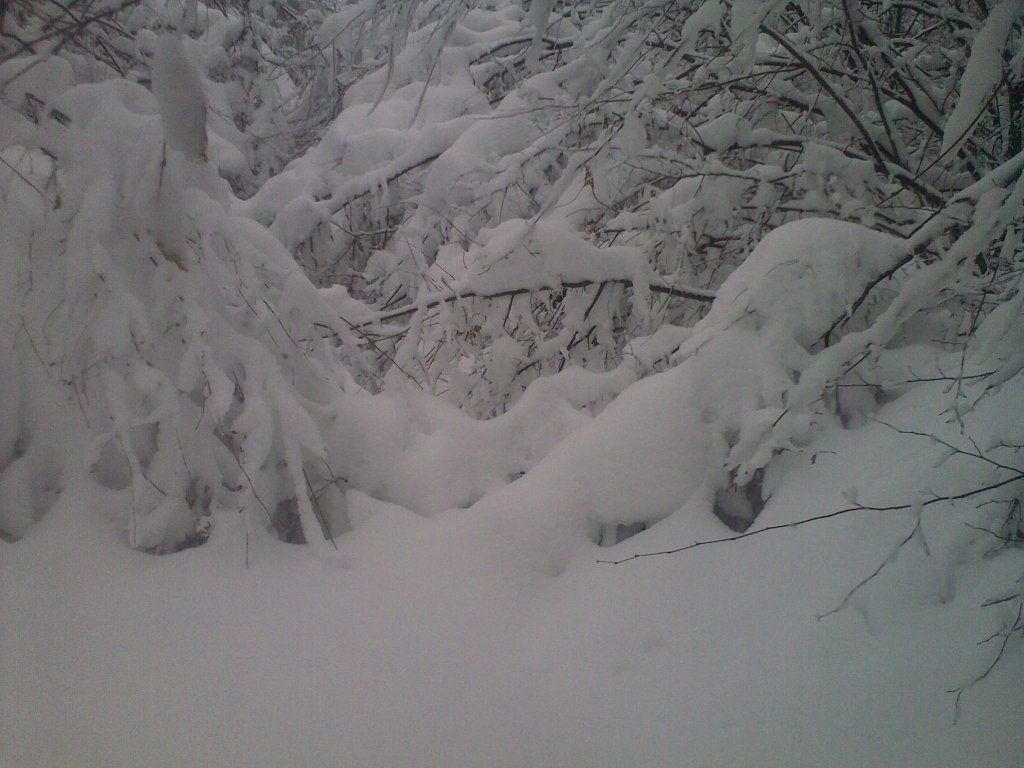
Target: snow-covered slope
column 440, row 643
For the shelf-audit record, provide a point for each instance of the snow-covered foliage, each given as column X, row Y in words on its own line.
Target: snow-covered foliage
column 671, row 136
column 577, row 267
column 175, row 348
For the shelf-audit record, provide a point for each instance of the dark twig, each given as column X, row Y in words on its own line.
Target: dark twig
column 1006, row 634
column 816, row 518
column 696, row 294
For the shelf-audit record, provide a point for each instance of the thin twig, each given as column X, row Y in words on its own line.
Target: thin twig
column 817, row 518
column 696, row 294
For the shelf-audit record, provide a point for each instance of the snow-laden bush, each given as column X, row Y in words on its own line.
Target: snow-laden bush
column 671, row 135
column 520, row 209
column 560, row 189
column 154, row 343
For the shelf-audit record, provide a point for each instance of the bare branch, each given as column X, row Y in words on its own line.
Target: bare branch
column 818, row 518
column 695, row 294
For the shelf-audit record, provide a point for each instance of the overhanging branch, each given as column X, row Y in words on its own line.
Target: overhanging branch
column 694, row 294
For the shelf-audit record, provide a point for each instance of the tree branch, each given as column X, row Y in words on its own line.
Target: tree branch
column 816, row 518
column 695, row 294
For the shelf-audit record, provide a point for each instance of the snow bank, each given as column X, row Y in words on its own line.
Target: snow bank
column 437, row 648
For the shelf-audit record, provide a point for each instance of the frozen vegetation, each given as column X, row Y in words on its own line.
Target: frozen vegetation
column 498, row 383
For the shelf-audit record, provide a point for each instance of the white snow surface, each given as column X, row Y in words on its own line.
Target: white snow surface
column 445, row 642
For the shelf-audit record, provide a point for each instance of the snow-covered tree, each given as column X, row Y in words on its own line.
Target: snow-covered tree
column 154, row 343
column 248, row 245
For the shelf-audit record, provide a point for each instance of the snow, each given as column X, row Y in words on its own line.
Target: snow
column 707, row 17
column 179, row 92
column 744, row 26
column 540, row 12
column 983, row 73
column 378, row 382
column 464, row 620
column 439, row 645
column 338, row 23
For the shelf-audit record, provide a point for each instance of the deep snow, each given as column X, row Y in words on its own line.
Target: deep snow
column 167, row 363
column 440, row 642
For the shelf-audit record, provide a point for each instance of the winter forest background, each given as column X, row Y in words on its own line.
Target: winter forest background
column 472, row 299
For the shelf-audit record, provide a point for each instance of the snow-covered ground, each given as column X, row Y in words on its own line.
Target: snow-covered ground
column 440, row 640
column 479, row 303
